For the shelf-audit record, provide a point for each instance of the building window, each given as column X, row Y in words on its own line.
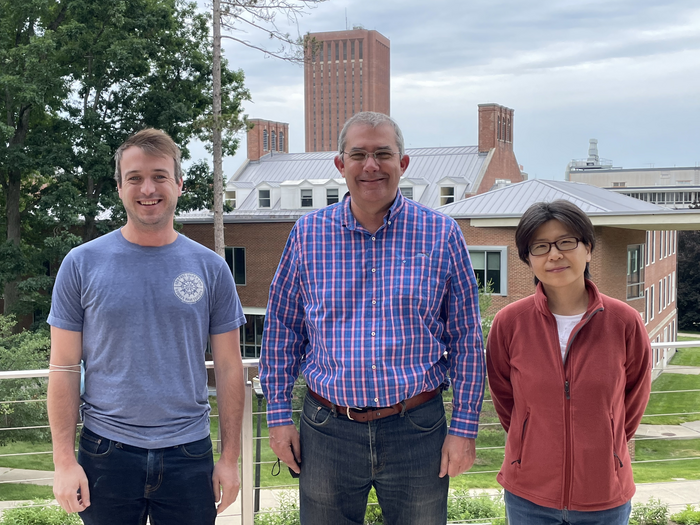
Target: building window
column 264, row 140
column 489, row 264
column 307, row 198
column 673, row 286
column 281, row 148
column 651, row 303
column 331, row 196
column 231, row 199
column 653, row 247
column 646, row 306
column 661, row 295
column 635, row 271
column 235, row 258
column 447, row 195
column 648, row 244
column 407, row 192
column 263, row 198
column 251, row 335
column 274, row 141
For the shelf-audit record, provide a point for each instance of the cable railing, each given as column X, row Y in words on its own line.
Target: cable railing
column 252, row 463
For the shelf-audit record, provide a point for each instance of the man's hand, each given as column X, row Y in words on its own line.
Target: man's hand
column 66, row 483
column 284, row 442
column 226, row 482
column 458, row 455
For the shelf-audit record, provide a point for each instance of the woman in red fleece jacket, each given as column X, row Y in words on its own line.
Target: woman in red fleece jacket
column 570, row 373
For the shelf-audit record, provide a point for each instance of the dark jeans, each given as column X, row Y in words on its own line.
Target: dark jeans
column 399, row 456
column 523, row 512
column 169, row 486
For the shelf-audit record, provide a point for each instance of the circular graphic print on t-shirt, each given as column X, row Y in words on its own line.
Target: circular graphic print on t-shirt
column 188, row 287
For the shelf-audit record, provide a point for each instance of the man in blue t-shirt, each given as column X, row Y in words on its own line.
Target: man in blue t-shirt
column 137, row 306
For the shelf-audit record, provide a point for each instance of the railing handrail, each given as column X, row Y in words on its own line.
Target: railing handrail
column 250, row 362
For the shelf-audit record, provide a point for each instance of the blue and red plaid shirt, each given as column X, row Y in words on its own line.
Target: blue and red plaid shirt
column 373, row 319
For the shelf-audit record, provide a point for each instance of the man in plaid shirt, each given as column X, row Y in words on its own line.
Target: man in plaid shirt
column 375, row 302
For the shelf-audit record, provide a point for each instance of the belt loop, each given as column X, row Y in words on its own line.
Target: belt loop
column 334, row 410
column 403, row 407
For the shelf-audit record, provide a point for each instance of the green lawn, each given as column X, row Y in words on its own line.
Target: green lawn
column 687, row 356
column 666, row 449
column 33, row 462
column 20, row 491
column 676, row 402
column 487, row 461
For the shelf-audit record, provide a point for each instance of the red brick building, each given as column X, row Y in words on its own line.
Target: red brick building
column 345, row 72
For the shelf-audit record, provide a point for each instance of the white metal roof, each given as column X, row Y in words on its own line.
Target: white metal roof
column 427, row 166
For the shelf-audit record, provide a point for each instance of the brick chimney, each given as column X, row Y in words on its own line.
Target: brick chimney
column 495, row 127
column 267, row 137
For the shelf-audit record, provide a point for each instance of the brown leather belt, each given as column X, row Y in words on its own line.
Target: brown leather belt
column 371, row 413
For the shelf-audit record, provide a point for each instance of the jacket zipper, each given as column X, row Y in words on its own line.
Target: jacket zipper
column 567, row 414
column 522, row 440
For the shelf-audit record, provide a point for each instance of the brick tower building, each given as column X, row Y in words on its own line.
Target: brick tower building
column 345, row 72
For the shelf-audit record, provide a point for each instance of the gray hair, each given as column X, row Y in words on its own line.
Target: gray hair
column 374, row 119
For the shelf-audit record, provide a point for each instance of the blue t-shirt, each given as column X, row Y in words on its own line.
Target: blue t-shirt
column 145, row 314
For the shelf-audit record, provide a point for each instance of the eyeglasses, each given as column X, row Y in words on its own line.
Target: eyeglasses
column 358, row 155
column 563, row 245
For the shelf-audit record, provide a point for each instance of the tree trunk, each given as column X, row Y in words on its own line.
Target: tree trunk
column 11, row 292
column 219, row 241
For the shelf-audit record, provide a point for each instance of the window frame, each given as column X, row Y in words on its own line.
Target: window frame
column 329, row 197
column 231, row 262
column 445, row 196
column 306, row 195
column 261, row 198
column 503, row 251
column 639, row 249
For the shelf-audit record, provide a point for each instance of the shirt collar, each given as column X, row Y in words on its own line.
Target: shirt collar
column 348, row 219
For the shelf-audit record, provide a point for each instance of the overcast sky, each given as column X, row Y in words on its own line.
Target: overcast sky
column 626, row 72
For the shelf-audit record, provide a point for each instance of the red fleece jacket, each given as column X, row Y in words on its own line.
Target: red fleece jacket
column 568, row 424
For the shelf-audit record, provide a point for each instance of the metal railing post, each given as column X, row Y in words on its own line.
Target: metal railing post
column 247, row 483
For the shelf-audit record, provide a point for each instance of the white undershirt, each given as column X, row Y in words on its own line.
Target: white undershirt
column 565, row 325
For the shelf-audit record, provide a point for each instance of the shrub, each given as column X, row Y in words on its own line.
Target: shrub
column 651, row 513
column 38, row 513
column 688, row 516
column 286, row 513
column 463, row 507
column 26, row 350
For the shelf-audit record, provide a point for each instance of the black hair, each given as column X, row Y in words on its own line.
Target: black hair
column 571, row 216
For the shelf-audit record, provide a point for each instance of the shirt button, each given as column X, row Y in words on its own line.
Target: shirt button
column 374, row 270
column 372, row 334
column 374, row 238
column 388, row 222
column 376, row 400
column 374, row 302
column 374, row 367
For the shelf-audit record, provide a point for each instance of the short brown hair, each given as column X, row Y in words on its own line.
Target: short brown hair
column 153, row 142
column 571, row 216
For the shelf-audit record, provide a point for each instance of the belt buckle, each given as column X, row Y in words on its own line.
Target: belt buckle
column 347, row 412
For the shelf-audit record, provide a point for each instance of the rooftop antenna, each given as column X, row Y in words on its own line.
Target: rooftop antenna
column 346, row 18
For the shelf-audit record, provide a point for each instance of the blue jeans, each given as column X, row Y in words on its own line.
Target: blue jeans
column 129, row 484
column 399, row 456
column 523, row 512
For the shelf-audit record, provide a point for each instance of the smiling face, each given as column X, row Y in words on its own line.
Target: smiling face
column 372, row 184
column 148, row 190
column 556, row 269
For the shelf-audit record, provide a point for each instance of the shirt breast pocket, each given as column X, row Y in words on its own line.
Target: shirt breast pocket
column 416, row 281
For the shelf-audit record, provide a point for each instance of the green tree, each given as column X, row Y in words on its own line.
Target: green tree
column 689, row 280
column 78, row 77
column 136, row 64
column 32, row 88
column 22, row 401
